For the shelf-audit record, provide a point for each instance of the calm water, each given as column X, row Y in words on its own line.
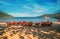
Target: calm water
column 33, row 19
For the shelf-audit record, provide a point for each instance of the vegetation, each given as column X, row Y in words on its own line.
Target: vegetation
column 4, row 15
column 57, row 15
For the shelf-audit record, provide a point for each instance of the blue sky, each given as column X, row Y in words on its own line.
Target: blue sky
column 29, row 8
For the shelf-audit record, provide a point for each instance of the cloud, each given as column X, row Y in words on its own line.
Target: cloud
column 24, row 14
column 27, row 7
column 5, row 3
column 19, row 14
column 38, row 9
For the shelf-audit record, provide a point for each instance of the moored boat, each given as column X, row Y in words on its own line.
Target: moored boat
column 24, row 23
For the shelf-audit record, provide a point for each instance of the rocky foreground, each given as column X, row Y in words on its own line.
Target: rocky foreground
column 30, row 32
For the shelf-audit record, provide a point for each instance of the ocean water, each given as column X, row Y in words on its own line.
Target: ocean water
column 33, row 19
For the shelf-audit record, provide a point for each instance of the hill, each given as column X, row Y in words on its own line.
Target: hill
column 4, row 15
column 56, row 15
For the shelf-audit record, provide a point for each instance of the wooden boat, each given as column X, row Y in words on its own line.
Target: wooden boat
column 24, row 23
column 43, row 23
column 37, row 24
column 8, row 23
column 13, row 23
column 47, row 23
column 30, row 23
column 19, row 23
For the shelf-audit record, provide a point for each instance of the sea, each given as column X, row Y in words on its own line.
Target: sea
column 28, row 19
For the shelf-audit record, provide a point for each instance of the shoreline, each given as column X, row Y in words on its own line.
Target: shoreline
column 56, row 22
column 4, row 23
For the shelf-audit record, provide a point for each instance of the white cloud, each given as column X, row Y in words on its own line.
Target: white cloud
column 27, row 7
column 39, row 9
column 5, row 3
column 19, row 14
column 24, row 14
column 36, row 8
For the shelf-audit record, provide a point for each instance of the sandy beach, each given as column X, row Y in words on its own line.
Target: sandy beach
column 29, row 19
column 56, row 22
column 20, row 32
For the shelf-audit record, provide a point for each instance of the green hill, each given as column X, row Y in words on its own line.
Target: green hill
column 4, row 15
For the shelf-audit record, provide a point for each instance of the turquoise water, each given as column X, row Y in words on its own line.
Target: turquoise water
column 33, row 19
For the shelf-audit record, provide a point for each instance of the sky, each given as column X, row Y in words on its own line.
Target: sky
column 29, row 8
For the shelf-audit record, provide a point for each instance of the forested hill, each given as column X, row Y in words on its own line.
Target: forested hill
column 4, row 15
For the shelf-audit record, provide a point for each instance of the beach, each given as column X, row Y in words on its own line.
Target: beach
column 56, row 22
column 29, row 19
column 31, row 32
